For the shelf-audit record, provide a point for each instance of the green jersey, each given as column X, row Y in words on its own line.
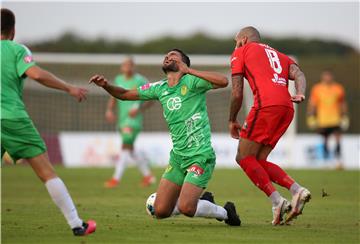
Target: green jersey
column 124, row 120
column 185, row 112
column 15, row 60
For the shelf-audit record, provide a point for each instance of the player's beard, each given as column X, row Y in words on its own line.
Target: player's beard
column 172, row 67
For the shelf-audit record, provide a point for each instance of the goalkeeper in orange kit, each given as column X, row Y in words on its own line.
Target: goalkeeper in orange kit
column 327, row 112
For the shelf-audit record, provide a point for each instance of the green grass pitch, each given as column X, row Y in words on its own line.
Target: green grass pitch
column 29, row 216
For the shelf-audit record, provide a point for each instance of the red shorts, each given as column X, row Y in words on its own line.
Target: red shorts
column 267, row 125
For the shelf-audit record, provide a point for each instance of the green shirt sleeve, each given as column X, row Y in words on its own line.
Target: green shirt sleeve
column 201, row 85
column 24, row 60
column 149, row 91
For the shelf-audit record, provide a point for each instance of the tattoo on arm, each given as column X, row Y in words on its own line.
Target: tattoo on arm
column 236, row 96
column 299, row 77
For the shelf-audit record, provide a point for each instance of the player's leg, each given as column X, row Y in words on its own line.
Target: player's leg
column 169, row 188
column 247, row 159
column 21, row 140
column 338, row 156
column 248, row 149
column 276, row 174
column 59, row 194
column 300, row 195
column 196, row 180
column 325, row 134
column 190, row 204
column 166, row 199
column 141, row 161
column 255, row 129
column 123, row 159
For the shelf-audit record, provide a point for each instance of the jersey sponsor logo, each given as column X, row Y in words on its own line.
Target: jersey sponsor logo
column 184, row 90
column 28, row 59
column 196, row 169
column 145, row 87
column 173, row 103
column 279, row 80
column 148, row 85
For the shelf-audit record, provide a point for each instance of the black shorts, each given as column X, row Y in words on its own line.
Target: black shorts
column 326, row 131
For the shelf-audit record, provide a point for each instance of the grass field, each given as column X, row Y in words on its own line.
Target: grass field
column 29, row 216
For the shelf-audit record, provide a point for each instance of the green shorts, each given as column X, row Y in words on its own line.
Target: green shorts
column 196, row 170
column 20, row 139
column 129, row 135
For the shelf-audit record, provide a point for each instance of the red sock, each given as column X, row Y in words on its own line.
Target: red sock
column 276, row 174
column 257, row 174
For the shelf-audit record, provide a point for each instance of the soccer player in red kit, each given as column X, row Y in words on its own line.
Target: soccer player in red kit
column 267, row 72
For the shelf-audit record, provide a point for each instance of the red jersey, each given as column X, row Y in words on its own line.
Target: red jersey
column 267, row 72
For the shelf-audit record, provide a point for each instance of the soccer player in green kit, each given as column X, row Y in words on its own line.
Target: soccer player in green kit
column 182, row 95
column 130, row 122
column 19, row 136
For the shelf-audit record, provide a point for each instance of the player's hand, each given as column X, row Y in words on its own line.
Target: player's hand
column 234, row 128
column 133, row 112
column 183, row 68
column 78, row 93
column 110, row 116
column 298, row 98
column 99, row 80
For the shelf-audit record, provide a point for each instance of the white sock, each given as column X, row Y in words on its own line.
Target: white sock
column 294, row 188
column 175, row 211
column 208, row 209
column 275, row 198
column 142, row 163
column 121, row 164
column 62, row 199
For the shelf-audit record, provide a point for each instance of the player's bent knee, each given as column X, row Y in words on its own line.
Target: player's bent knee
column 162, row 212
column 187, row 209
column 159, row 214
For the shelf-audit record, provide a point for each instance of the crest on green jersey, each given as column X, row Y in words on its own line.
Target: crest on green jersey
column 184, row 90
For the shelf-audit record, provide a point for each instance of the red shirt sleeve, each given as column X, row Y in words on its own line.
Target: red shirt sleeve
column 237, row 62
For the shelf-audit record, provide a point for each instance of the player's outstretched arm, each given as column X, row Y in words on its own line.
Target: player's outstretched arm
column 300, row 83
column 235, row 105
column 115, row 91
column 48, row 79
column 217, row 79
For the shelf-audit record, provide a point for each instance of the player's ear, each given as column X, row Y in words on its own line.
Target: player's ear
column 245, row 40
